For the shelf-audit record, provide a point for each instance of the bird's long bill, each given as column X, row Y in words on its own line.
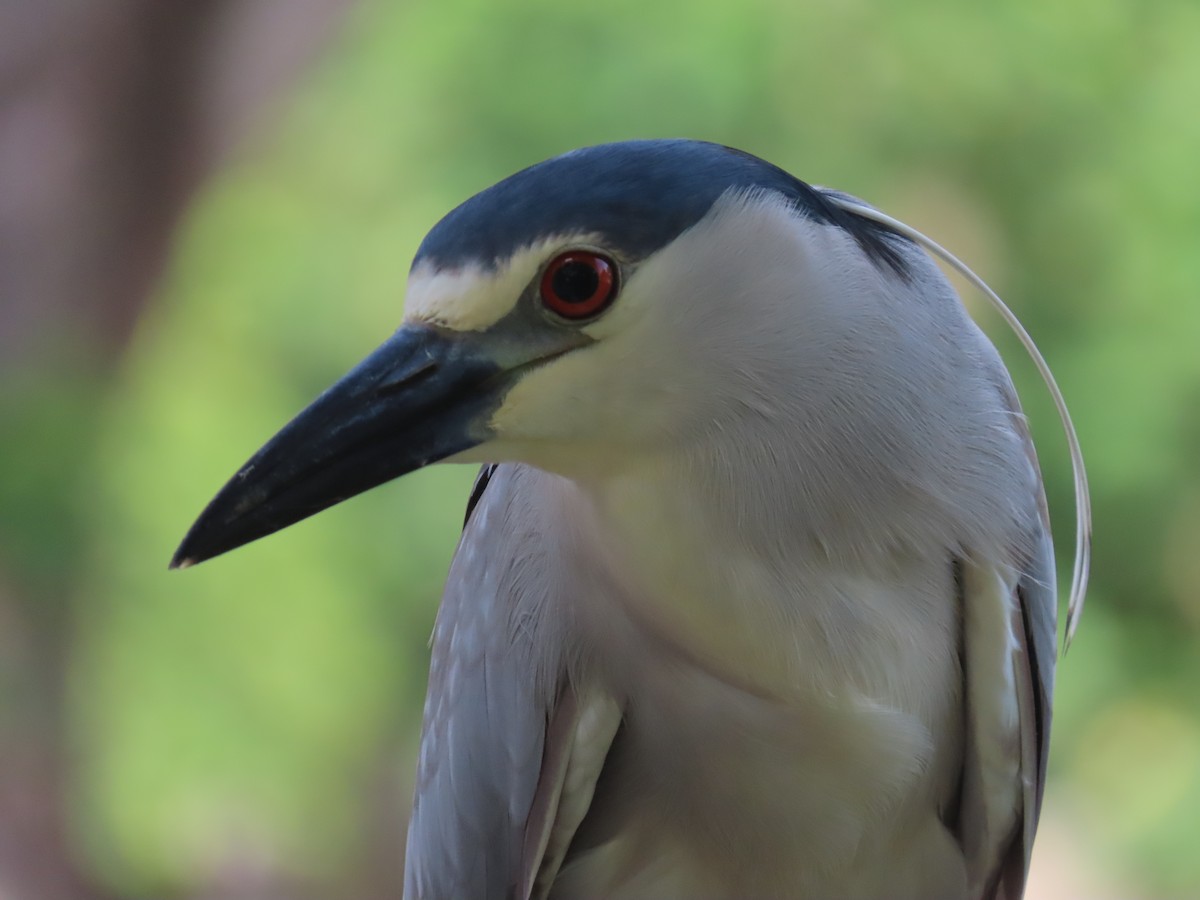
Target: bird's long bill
column 423, row 395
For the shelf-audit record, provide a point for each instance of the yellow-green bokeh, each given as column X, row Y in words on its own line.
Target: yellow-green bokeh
column 252, row 702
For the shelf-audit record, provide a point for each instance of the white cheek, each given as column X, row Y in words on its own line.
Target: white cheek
column 555, row 400
column 591, row 407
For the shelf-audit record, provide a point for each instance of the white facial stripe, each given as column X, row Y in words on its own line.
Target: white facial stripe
column 473, row 298
column 467, row 299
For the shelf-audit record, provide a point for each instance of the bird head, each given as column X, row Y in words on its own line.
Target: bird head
column 610, row 302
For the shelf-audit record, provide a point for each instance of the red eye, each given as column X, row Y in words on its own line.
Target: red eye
column 579, row 284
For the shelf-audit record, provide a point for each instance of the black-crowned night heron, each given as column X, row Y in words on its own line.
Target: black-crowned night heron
column 756, row 596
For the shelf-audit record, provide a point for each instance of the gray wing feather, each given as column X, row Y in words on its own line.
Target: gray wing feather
column 1010, row 621
column 510, row 750
column 1036, row 605
column 484, row 728
column 1035, row 602
column 1038, row 600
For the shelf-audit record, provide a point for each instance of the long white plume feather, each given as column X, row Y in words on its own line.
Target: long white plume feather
column 1083, row 500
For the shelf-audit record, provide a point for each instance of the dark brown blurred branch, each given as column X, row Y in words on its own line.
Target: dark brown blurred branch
column 112, row 112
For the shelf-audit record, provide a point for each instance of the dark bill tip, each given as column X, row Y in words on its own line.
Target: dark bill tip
column 423, row 395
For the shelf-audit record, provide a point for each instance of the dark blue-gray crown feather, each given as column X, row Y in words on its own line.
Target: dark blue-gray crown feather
column 637, row 196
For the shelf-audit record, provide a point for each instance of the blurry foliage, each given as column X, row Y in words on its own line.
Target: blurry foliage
column 244, row 709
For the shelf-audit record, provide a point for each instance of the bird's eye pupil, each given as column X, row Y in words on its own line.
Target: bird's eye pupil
column 576, row 282
column 579, row 284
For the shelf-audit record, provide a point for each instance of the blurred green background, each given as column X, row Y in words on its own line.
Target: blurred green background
column 247, row 728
